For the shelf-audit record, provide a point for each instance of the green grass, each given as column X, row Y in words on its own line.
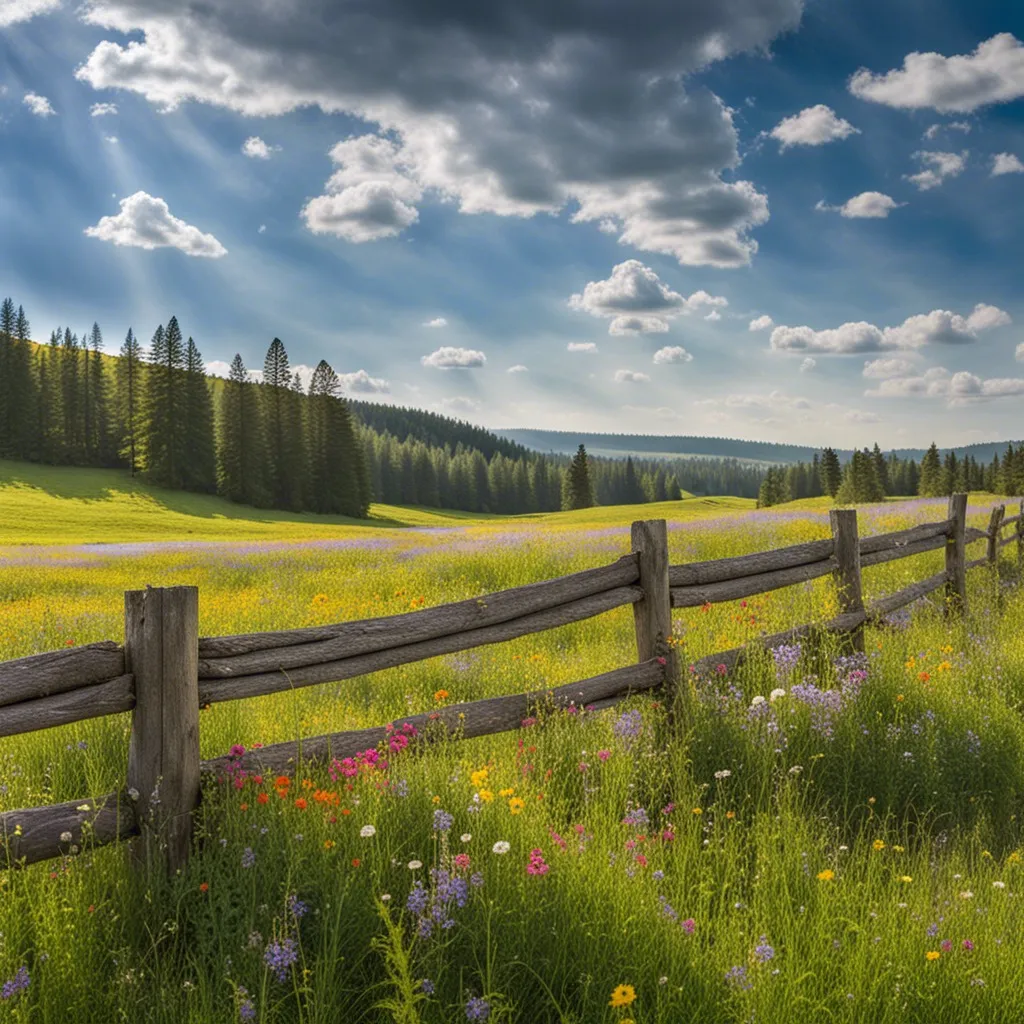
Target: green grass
column 924, row 756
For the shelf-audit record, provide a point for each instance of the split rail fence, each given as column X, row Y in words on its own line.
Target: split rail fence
column 165, row 671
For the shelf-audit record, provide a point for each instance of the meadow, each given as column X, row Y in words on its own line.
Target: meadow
column 838, row 838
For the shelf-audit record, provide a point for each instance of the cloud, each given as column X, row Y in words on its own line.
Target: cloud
column 438, row 321
column 637, row 301
column 672, row 354
column 147, row 223
column 761, row 323
column 449, row 357
column 881, row 369
column 933, row 130
column 539, row 106
column 518, row 368
column 39, row 105
column 1006, row 163
column 102, row 109
column 813, row 126
column 773, row 401
column 256, row 148
column 866, row 204
column 993, row 73
column 631, row 377
column 218, row 368
column 942, row 166
column 582, row 346
column 859, row 416
column 362, row 383
column 460, row 406
column 1019, row 354
column 957, row 389
column 808, row 364
column 939, row 327
column 261, row 229
column 14, row 11
column 713, row 315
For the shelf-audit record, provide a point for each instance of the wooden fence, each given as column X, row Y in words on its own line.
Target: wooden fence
column 165, row 671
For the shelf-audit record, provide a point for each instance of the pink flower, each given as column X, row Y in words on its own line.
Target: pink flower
column 603, row 755
column 946, row 945
column 537, row 865
column 237, row 750
column 662, row 661
column 461, row 861
column 967, row 944
column 721, row 670
column 641, row 860
column 689, row 925
column 668, row 835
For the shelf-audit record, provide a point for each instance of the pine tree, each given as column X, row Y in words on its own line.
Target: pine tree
column 7, row 320
column 240, row 452
column 284, row 469
column 881, row 469
column 577, row 490
column 929, row 483
column 71, row 399
column 164, row 431
column 338, row 482
column 23, row 395
column 99, row 393
column 201, row 467
column 831, row 472
column 130, row 389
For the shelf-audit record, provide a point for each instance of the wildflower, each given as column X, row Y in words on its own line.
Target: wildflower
column 776, row 694
column 415, row 865
column 262, row 798
column 246, row 1008
column 697, row 810
column 440, row 695
column 248, row 857
column 737, row 976
column 477, row 1008
column 367, row 831
column 17, row 984
column 932, row 954
column 689, row 926
column 757, row 701
column 506, row 792
column 486, row 795
column 204, row 886
column 329, row 844
column 730, row 815
column 967, row 944
column 603, row 755
column 763, row 952
column 622, row 996
column 356, row 862
column 427, row 985
column 966, row 895
column 826, row 876
column 443, row 821
column 998, row 885
column 878, row 845
column 296, row 906
column 478, row 778
column 461, row 861
column 465, row 837
column 906, row 879
column 537, row 866
column 516, row 804
column 500, row 847
column 301, row 803
column 279, row 956
column 65, row 837
column 946, row 945
column 723, row 774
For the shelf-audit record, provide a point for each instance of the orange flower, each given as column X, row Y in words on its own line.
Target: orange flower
column 356, row 862
column 346, row 811
column 301, row 803
column 282, row 782
column 243, row 807
column 262, row 798
column 328, row 844
column 440, row 695
column 204, row 887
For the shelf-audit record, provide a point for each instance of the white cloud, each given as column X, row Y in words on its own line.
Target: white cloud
column 147, row 223
column 218, row 368
column 713, row 315
column 438, row 321
column 866, row 204
column 860, row 416
column 14, row 11
column 261, row 229
column 882, row 369
column 631, row 377
column 939, row 167
column 523, row 121
column 672, row 354
column 448, row 357
column 460, row 406
column 102, row 109
column 518, row 368
column 957, row 389
column 1006, row 163
column 762, row 323
column 813, row 126
column 939, row 327
column 110, row 138
column 993, row 73
column 362, row 383
column 808, row 364
column 39, row 105
column 582, row 346
column 1019, row 354
column 773, row 401
column 637, row 301
column 959, row 126
column 256, row 148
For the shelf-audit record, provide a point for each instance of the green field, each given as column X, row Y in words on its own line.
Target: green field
column 800, row 859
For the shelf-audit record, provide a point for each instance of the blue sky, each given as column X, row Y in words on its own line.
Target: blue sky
column 601, row 199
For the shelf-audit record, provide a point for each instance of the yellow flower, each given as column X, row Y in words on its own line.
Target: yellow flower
column 907, row 879
column 697, row 810
column 932, row 954
column 478, row 778
column 515, row 805
column 486, row 795
column 436, row 799
column 878, row 845
column 943, row 666
column 506, row 792
column 897, row 849
column 622, row 996
column 826, row 875
column 1014, row 858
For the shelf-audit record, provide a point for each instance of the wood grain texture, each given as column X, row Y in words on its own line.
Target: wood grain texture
column 213, row 690
column 903, row 551
column 698, row 574
column 39, row 833
column 70, row 668
column 882, row 606
column 323, row 644
column 476, row 718
column 902, row 538
column 109, row 698
column 762, row 583
column 993, row 532
column 847, row 578
column 972, row 533
column 956, row 557
column 161, row 651
column 976, row 563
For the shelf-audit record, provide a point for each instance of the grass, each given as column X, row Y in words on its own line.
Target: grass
column 795, row 858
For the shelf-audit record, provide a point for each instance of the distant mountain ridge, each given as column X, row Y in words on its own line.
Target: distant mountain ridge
column 566, row 441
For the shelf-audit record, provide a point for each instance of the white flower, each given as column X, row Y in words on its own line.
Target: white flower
column 65, row 837
column 663, row 980
column 966, row 894
column 723, row 774
column 386, row 897
column 796, row 769
column 776, row 694
column 367, row 831
column 415, row 865
column 843, row 848
column 83, row 807
column 465, row 837
column 133, row 792
column 501, row 847
column 998, row 885
column 756, row 701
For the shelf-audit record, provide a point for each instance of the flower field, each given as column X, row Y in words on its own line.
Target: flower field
column 838, row 838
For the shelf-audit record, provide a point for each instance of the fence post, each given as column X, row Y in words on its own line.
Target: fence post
column 652, row 615
column 993, row 533
column 956, row 557
column 1020, row 536
column 161, row 646
column 847, row 573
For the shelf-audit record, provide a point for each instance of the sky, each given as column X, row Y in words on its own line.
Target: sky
column 783, row 220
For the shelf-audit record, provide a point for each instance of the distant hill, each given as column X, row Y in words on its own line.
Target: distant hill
column 666, row 446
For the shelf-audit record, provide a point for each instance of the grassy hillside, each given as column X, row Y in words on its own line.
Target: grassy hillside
column 70, row 505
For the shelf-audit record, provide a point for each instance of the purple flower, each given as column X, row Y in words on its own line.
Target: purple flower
column 428, row 986
column 246, row 1008
column 443, row 821
column 296, row 906
column 737, row 976
column 477, row 1008
column 418, row 899
column 763, row 951
column 628, row 725
column 279, row 956
column 248, row 857
column 785, row 657
column 237, row 750
column 17, row 984
column 637, row 817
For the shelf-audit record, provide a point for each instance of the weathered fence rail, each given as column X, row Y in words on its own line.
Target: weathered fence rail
column 165, row 671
